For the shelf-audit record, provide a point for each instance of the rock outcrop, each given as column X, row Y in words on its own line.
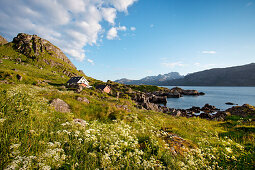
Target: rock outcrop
column 243, row 111
column 230, row 103
column 19, row 77
column 221, row 115
column 83, row 99
column 209, row 108
column 3, row 40
column 143, row 101
column 60, row 105
column 177, row 92
column 34, row 46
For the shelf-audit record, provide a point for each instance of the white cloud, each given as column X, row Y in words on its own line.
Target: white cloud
column 70, row 25
column 122, row 5
column 152, row 25
column 122, row 28
column 132, row 28
column 91, row 61
column 109, row 14
column 173, row 64
column 209, row 52
column 113, row 32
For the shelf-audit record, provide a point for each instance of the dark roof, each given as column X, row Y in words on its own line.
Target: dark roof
column 73, row 80
column 101, row 87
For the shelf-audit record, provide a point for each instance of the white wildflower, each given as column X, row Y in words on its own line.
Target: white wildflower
column 15, row 146
column 46, row 167
column 2, row 120
column 228, row 149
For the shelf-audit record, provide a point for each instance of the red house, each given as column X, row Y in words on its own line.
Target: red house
column 104, row 88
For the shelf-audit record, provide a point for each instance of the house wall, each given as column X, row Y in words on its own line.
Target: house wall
column 84, row 81
column 84, row 85
column 107, row 90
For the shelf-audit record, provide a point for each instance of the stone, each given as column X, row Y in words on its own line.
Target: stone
column 79, row 88
column 230, row 103
column 4, row 82
column 3, row 40
column 82, row 99
column 209, row 108
column 201, row 93
column 6, row 57
column 158, row 99
column 151, row 106
column 19, row 77
column 178, row 113
column 177, row 90
column 18, row 60
column 221, row 115
column 175, row 144
column 205, row 116
column 60, row 105
column 190, row 92
column 80, row 122
column 124, row 107
column 243, row 111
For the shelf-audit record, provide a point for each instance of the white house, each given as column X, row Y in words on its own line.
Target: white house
column 78, row 81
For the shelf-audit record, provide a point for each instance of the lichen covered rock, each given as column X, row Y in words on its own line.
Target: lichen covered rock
column 34, row 46
column 60, row 105
column 3, row 40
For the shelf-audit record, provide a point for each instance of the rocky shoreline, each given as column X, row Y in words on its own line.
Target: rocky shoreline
column 151, row 101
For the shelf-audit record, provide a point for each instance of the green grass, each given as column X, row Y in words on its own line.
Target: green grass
column 109, row 136
column 112, row 137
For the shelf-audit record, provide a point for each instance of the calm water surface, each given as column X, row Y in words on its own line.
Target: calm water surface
column 216, row 96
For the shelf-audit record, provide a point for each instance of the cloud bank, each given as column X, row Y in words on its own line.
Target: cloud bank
column 69, row 24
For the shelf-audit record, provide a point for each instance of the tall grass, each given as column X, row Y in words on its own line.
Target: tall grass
column 34, row 135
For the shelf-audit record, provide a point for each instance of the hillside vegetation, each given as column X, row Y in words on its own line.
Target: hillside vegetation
column 106, row 132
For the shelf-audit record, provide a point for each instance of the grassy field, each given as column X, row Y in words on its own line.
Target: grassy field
column 106, row 133
column 33, row 135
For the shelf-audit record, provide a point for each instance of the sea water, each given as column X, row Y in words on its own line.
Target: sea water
column 216, row 96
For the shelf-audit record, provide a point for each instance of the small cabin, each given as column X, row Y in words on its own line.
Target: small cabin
column 74, row 81
column 104, row 88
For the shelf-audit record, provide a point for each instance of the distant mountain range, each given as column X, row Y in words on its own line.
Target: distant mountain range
column 152, row 80
column 231, row 76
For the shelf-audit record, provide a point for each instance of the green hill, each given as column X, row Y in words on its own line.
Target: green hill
column 99, row 130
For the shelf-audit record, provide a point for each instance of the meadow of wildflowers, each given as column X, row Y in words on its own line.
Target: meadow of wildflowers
column 34, row 135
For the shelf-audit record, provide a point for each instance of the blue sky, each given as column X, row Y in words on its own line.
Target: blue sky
column 149, row 37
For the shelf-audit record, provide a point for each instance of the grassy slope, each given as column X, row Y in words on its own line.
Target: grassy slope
column 33, row 135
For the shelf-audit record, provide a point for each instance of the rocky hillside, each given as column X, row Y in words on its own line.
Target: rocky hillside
column 231, row 76
column 3, row 40
column 34, row 47
column 152, row 80
column 35, row 60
